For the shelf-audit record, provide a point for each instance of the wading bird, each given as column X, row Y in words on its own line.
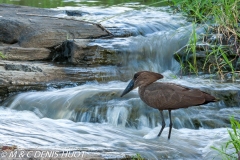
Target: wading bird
column 166, row 96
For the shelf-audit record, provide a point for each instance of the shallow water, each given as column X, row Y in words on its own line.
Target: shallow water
column 28, row 131
column 101, row 102
column 93, row 116
column 64, row 3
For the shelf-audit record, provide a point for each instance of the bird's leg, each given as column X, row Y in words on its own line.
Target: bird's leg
column 163, row 123
column 170, row 124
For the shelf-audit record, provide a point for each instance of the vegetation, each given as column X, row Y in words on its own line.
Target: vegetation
column 231, row 148
column 225, row 13
column 223, row 19
column 137, row 157
column 2, row 55
column 192, row 48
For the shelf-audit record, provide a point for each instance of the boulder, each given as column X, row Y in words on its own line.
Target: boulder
column 41, row 28
column 33, row 34
column 79, row 52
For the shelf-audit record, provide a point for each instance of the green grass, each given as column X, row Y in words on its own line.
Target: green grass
column 231, row 148
column 223, row 12
column 192, row 48
column 2, row 55
column 137, row 157
column 222, row 18
column 222, row 64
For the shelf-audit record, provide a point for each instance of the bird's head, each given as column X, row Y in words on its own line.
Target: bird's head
column 141, row 79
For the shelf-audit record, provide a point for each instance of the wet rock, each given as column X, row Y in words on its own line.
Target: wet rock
column 3, row 92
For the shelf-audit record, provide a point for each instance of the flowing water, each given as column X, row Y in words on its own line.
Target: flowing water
column 93, row 115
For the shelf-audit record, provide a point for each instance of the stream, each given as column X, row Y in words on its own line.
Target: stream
column 93, row 116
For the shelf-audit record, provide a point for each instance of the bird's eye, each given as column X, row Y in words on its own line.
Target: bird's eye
column 135, row 76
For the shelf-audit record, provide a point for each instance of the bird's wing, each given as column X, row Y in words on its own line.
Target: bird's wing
column 171, row 96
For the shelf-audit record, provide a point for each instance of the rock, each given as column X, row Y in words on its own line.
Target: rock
column 79, row 52
column 22, row 25
column 230, row 98
column 8, row 148
column 18, row 77
column 76, row 13
column 57, row 39
column 16, row 53
column 10, row 30
column 21, row 67
column 32, row 34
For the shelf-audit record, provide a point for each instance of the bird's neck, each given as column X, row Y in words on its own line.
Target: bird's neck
column 141, row 90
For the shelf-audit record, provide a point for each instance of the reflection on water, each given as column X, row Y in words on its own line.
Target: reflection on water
column 63, row 3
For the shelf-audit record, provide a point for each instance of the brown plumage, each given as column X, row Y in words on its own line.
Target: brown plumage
column 166, row 96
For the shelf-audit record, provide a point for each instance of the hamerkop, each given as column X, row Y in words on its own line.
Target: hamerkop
column 166, row 96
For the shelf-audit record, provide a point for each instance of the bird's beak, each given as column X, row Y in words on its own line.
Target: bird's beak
column 128, row 88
